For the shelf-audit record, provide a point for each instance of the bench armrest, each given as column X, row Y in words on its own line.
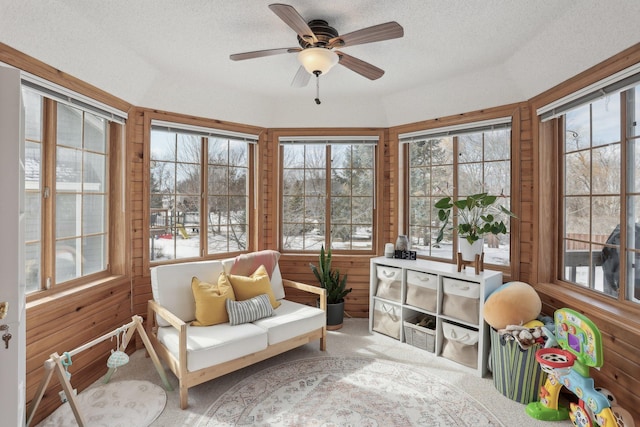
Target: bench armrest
column 166, row 315
column 321, row 292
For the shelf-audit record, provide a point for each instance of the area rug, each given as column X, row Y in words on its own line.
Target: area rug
column 346, row 391
column 116, row 404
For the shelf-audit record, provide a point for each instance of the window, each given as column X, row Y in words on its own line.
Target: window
column 335, row 177
column 601, row 187
column 66, row 191
column 456, row 162
column 199, row 192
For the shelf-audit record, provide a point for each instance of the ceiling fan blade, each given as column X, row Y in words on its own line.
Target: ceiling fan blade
column 359, row 66
column 261, row 53
column 292, row 18
column 301, row 78
column 377, row 33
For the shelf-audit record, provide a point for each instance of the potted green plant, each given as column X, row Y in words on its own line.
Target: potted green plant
column 477, row 215
column 335, row 286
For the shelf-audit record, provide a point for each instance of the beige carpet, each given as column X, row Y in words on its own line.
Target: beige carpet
column 353, row 340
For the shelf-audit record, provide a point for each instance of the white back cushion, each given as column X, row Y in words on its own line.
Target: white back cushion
column 171, row 286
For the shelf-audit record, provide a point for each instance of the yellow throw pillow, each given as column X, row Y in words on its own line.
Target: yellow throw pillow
column 210, row 301
column 257, row 284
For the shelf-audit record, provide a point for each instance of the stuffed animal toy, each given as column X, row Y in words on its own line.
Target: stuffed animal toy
column 514, row 303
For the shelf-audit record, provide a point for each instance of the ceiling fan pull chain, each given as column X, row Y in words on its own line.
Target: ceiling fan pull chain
column 317, row 87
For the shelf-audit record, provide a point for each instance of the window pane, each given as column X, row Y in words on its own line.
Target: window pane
column 362, row 182
column 32, row 267
column 188, row 149
column 497, row 177
column 33, row 115
column 187, row 179
column 93, row 214
column 470, row 148
column 95, row 176
column 238, row 153
column 68, row 260
column 163, row 177
column 442, row 151
column 32, row 204
column 606, row 217
column 315, row 181
column 68, row 170
column 293, row 156
column 218, row 179
column 218, row 151
column 606, row 120
column 577, row 173
column 69, row 129
column 340, row 182
column 606, row 169
column 238, row 181
column 95, row 133
column 68, row 214
column 578, row 129
column 470, row 179
column 163, row 145
column 497, row 145
column 577, row 216
column 93, row 254
column 315, row 156
column 441, row 180
column 292, row 182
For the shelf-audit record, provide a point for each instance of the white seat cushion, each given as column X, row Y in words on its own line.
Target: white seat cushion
column 212, row 345
column 290, row 320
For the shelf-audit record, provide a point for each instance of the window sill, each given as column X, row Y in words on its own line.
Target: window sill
column 46, row 297
column 624, row 316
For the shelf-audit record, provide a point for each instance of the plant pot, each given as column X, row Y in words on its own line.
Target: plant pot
column 335, row 316
column 469, row 251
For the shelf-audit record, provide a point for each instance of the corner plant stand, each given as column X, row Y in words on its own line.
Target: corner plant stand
column 477, row 263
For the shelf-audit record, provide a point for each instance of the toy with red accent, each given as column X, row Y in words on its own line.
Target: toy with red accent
column 568, row 366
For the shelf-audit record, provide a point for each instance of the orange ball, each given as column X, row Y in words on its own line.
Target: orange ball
column 514, row 303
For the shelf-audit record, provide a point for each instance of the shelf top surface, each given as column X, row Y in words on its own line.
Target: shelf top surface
column 450, row 270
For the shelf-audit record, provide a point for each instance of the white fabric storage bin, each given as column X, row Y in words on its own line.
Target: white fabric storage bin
column 386, row 319
column 389, row 283
column 460, row 344
column 422, row 290
column 461, row 300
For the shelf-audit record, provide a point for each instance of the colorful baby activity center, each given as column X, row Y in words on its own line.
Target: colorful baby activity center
column 580, row 349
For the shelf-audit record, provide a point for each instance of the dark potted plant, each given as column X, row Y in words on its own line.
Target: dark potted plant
column 478, row 214
column 335, row 285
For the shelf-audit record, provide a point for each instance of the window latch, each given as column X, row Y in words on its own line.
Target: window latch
column 45, row 193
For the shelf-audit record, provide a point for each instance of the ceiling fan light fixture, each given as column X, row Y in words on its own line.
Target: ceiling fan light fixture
column 317, row 59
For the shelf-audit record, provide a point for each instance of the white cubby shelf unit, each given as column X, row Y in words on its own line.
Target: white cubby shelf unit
column 402, row 291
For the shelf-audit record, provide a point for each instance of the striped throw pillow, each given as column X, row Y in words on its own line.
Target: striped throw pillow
column 249, row 310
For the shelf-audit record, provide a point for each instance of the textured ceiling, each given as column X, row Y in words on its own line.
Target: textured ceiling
column 455, row 56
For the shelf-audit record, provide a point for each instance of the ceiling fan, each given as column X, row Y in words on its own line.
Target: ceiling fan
column 317, row 42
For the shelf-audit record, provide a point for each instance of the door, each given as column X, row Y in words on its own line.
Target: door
column 12, row 285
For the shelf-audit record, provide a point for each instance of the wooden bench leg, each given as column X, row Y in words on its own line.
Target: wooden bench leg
column 184, row 396
column 323, row 340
